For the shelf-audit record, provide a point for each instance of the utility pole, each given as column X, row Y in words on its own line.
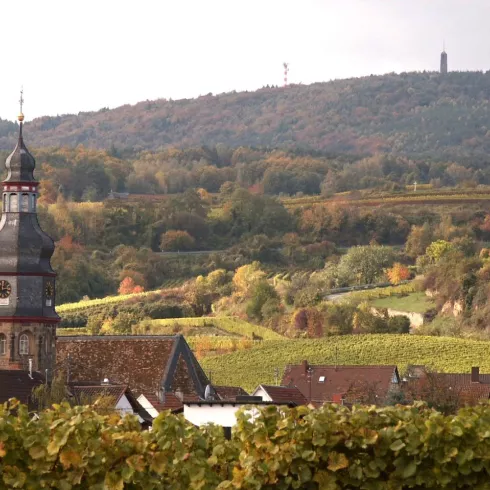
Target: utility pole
column 286, row 71
column 310, row 373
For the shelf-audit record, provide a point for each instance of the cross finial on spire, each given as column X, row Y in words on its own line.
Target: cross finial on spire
column 21, row 102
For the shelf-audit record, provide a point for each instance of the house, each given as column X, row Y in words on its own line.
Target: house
column 174, row 402
column 19, row 385
column 447, row 391
column 321, row 384
column 222, row 412
column 160, row 367
column 280, row 394
column 113, row 398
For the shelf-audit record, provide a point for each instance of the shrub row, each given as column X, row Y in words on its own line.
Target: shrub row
column 140, row 309
column 330, row 448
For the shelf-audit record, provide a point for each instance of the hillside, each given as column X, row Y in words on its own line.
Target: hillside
column 257, row 365
column 423, row 114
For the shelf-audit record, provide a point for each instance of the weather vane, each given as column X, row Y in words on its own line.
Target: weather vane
column 21, row 102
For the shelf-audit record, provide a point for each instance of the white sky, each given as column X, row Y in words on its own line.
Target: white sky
column 74, row 55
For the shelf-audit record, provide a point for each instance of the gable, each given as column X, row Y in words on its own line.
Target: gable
column 145, row 363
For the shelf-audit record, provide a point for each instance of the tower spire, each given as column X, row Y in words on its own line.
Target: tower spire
column 20, row 117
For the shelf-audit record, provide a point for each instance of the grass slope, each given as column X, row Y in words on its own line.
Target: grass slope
column 415, row 302
column 229, row 324
column 256, row 365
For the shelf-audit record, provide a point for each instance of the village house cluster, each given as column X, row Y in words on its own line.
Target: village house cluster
column 145, row 375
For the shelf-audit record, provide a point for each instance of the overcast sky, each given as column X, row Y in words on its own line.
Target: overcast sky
column 73, row 56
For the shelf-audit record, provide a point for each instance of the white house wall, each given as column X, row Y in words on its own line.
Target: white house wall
column 213, row 414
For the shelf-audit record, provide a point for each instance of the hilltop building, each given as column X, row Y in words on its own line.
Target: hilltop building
column 27, row 282
column 443, row 62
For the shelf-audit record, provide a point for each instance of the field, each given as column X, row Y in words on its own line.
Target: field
column 256, row 365
column 415, row 302
column 230, row 325
column 449, row 196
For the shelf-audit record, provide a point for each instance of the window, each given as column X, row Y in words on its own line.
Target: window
column 5, row 203
column 13, row 203
column 321, row 379
column 3, row 344
column 33, row 203
column 24, row 344
column 24, row 203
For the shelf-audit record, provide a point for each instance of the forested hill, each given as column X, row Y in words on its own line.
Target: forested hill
column 422, row 114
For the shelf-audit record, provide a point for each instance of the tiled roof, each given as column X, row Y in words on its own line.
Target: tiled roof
column 357, row 383
column 146, row 363
column 229, row 392
column 18, row 384
column 285, row 394
column 88, row 394
column 169, row 402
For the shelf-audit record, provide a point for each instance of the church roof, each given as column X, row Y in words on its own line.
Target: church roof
column 20, row 163
column 147, row 363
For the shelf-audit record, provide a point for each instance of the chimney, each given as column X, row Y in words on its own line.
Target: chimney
column 306, row 366
column 475, row 374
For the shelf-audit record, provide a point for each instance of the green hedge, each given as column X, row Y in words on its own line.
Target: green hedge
column 328, row 449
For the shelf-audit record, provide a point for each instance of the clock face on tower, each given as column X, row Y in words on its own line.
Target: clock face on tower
column 5, row 289
column 49, row 290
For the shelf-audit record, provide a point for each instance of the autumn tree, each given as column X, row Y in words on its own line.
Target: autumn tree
column 246, row 278
column 175, row 240
column 418, row 240
column 398, row 273
column 128, row 286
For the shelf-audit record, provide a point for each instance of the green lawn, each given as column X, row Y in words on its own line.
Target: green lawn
column 414, row 302
column 254, row 366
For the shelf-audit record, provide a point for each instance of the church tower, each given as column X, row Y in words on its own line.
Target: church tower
column 444, row 61
column 27, row 282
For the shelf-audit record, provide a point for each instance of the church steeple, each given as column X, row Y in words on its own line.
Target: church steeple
column 27, row 281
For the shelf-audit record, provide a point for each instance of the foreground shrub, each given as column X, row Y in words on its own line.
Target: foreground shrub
column 330, row 448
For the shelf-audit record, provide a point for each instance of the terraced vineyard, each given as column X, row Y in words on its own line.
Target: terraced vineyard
column 80, row 305
column 256, row 365
column 423, row 197
column 232, row 325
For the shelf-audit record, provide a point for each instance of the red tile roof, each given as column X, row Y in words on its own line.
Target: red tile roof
column 147, row 363
column 361, row 384
column 229, row 392
column 285, row 394
column 18, row 384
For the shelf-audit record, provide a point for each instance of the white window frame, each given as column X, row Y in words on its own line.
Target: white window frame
column 3, row 345
column 24, row 345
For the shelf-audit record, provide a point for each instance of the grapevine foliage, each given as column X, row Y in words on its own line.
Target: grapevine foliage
column 332, row 448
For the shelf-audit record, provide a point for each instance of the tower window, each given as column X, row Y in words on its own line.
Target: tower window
column 3, row 344
column 24, row 344
column 24, row 203
column 13, row 203
column 5, row 203
column 33, row 203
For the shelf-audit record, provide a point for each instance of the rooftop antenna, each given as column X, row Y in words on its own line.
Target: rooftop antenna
column 286, row 71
